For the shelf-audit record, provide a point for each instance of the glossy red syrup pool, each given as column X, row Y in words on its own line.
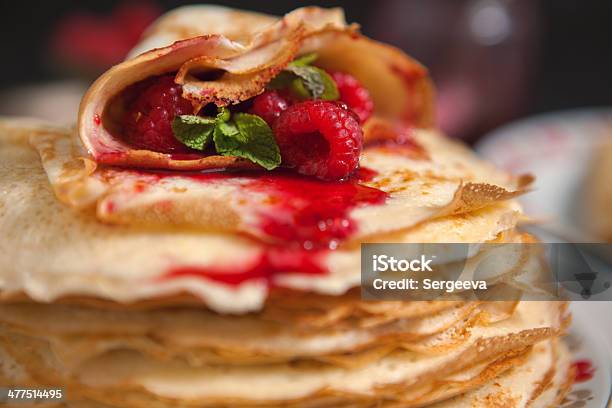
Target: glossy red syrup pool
column 302, row 211
column 584, row 370
column 305, row 219
column 313, row 213
column 272, row 262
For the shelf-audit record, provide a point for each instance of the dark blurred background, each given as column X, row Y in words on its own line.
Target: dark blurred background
column 492, row 60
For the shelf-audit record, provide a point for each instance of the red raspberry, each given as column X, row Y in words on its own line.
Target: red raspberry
column 269, row 105
column 319, row 138
column 354, row 95
column 148, row 123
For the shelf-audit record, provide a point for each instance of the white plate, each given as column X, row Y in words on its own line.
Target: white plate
column 589, row 340
column 556, row 148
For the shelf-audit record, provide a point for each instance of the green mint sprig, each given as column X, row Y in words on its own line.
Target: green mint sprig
column 306, row 81
column 241, row 135
column 194, row 131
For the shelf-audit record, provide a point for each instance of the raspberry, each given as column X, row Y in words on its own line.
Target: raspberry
column 269, row 105
column 319, row 138
column 354, row 95
column 148, row 123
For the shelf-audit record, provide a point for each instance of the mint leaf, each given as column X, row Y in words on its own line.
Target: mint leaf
column 193, row 131
column 304, row 60
column 317, row 82
column 241, row 135
column 223, row 115
column 298, row 89
column 247, row 136
column 281, row 81
column 226, row 136
column 305, row 81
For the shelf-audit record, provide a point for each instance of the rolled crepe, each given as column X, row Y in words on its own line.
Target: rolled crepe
column 224, row 57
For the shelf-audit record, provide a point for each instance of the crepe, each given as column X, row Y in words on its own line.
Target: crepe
column 244, row 203
column 204, row 338
column 134, row 279
column 537, row 383
column 400, row 87
column 531, row 322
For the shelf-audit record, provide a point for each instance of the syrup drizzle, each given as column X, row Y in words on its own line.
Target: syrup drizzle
column 271, row 262
column 305, row 217
column 584, row 370
column 302, row 211
column 311, row 213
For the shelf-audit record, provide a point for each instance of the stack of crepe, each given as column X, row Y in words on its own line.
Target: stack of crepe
column 133, row 288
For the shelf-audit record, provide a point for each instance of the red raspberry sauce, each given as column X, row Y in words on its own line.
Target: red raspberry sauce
column 312, row 213
column 273, row 261
column 308, row 218
column 584, row 370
